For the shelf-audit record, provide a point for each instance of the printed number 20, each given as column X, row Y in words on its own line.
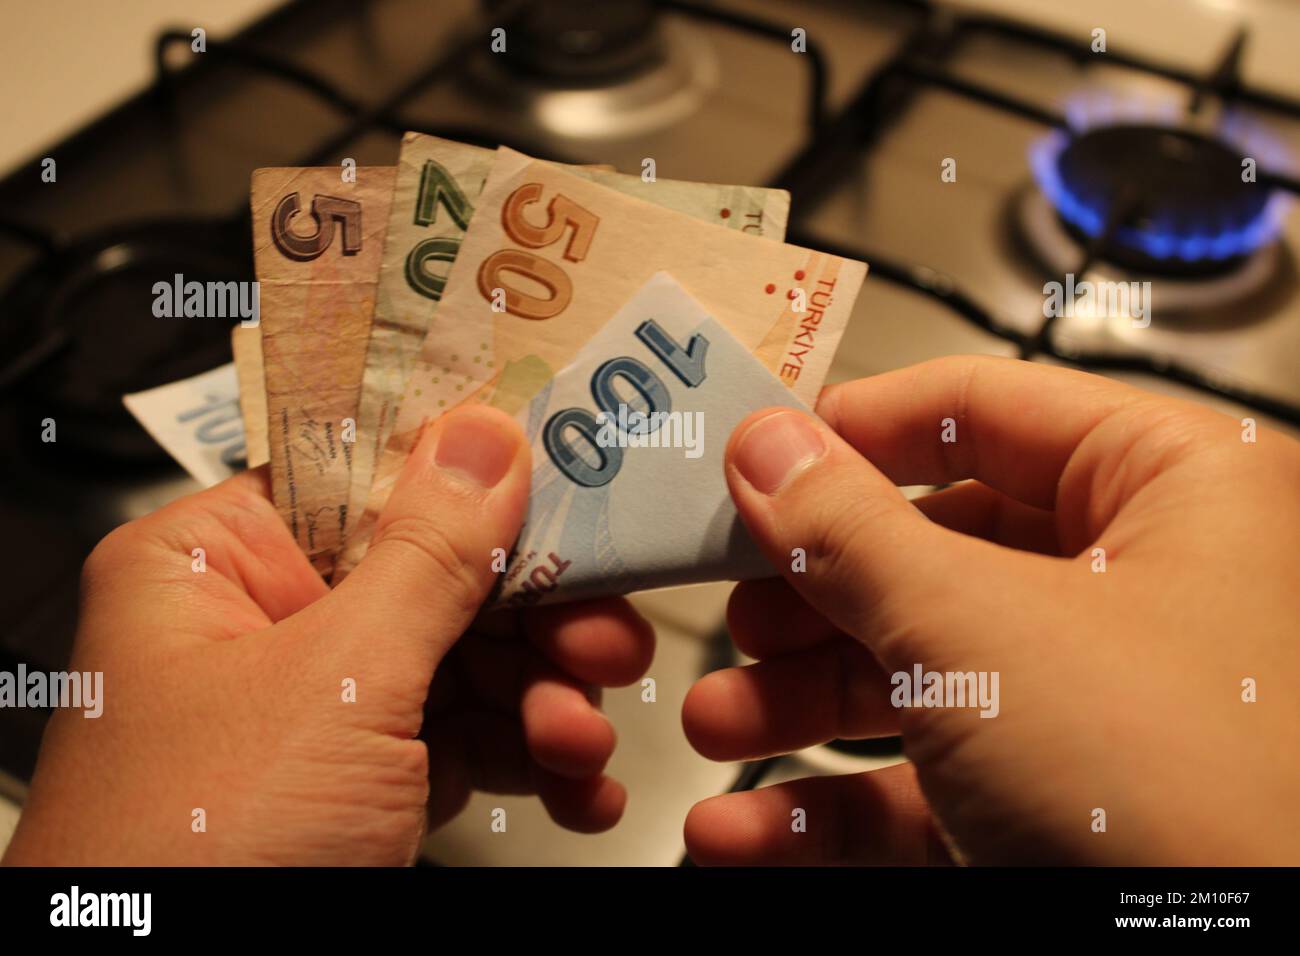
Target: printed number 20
column 687, row 364
column 437, row 188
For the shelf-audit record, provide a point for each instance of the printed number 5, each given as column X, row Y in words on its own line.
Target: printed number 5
column 325, row 210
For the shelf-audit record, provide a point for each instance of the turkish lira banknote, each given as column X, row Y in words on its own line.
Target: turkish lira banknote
column 628, row 489
column 317, row 245
column 246, row 347
column 197, row 421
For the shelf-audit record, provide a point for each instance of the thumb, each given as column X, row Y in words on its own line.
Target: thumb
column 872, row 563
column 462, row 494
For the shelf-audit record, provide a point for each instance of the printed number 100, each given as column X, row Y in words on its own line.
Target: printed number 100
column 686, row 363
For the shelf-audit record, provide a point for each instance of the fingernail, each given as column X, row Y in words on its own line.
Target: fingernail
column 476, row 448
column 775, row 448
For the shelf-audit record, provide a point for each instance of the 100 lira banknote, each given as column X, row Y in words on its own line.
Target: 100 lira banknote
column 197, row 421
column 628, row 490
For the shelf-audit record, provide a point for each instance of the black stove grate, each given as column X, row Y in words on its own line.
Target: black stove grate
column 832, row 140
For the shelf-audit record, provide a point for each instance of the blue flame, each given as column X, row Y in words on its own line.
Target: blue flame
column 1161, row 240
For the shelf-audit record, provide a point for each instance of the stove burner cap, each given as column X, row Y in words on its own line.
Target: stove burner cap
column 566, row 42
column 633, row 82
column 1182, row 205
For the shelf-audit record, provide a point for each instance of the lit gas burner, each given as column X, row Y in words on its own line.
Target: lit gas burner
column 1060, row 249
column 1137, row 192
column 1158, row 200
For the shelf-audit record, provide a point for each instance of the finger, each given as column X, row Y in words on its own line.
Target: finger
column 591, row 805
column 483, row 750
column 876, row 818
column 603, row 642
column 461, row 495
column 489, row 671
column 976, row 509
column 498, row 672
column 271, row 566
column 495, row 751
column 1015, row 424
column 562, row 725
column 473, row 750
column 565, row 733
column 769, row 618
column 874, row 565
column 786, row 704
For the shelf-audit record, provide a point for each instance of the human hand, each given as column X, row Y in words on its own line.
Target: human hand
column 225, row 690
column 1120, row 691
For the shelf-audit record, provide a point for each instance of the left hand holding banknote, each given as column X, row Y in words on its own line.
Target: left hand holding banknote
column 251, row 715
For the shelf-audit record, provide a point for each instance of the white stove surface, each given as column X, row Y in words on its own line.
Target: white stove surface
column 1187, row 33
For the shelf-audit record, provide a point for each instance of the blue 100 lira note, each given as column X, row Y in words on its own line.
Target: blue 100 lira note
column 197, row 421
column 628, row 490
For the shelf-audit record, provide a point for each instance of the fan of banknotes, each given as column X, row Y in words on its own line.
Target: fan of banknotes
column 628, row 323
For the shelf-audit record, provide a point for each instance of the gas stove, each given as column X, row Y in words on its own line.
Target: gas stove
column 987, row 159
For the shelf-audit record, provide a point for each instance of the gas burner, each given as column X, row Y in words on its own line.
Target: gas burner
column 563, row 42
column 1156, row 199
column 1059, row 250
column 623, row 73
column 85, row 332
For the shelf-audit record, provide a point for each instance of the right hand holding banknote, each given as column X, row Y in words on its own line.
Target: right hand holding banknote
column 1125, row 563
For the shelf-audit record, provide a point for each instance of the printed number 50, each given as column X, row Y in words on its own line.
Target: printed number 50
column 561, row 213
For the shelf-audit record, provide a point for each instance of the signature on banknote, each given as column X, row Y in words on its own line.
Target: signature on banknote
column 315, row 519
column 316, row 443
